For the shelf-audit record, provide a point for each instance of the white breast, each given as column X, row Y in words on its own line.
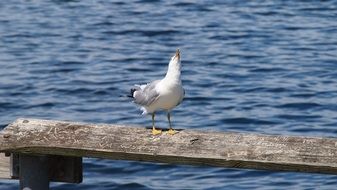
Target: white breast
column 171, row 94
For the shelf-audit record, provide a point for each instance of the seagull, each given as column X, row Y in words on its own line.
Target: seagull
column 164, row 94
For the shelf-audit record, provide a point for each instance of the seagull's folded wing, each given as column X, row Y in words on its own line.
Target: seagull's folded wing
column 146, row 94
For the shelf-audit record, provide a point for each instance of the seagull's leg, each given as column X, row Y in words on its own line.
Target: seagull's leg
column 154, row 130
column 171, row 131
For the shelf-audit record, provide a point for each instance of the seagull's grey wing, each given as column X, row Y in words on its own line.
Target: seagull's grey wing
column 146, row 94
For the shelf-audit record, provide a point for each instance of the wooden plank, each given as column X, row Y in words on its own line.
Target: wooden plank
column 4, row 167
column 33, row 172
column 65, row 169
column 61, row 168
column 236, row 150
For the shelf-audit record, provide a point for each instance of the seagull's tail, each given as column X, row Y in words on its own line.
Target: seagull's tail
column 131, row 92
column 128, row 95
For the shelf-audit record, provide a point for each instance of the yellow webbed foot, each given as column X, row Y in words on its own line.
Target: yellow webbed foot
column 171, row 132
column 156, row 132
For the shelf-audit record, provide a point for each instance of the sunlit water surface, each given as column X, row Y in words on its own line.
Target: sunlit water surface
column 248, row 66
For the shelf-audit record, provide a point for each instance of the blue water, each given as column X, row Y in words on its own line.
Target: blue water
column 248, row 66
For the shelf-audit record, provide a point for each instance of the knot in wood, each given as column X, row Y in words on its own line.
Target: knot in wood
column 6, row 136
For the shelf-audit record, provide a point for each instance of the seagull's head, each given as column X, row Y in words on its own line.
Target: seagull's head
column 176, row 57
column 174, row 66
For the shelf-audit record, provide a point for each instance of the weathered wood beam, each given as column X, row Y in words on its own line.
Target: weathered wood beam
column 34, row 172
column 236, row 150
column 60, row 168
column 4, row 167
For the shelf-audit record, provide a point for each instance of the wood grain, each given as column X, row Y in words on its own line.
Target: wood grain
column 119, row 142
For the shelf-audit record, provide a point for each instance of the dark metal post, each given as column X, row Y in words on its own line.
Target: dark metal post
column 33, row 172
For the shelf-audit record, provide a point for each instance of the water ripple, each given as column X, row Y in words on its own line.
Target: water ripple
column 248, row 66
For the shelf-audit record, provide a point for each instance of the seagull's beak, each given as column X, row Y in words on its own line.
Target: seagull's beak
column 177, row 55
